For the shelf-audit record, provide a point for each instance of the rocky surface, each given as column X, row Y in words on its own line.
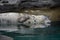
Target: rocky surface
column 3, row 37
column 15, row 5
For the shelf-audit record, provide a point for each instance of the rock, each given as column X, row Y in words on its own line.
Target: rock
column 8, row 5
column 15, row 5
column 3, row 37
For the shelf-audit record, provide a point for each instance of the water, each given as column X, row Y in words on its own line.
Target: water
column 49, row 33
column 52, row 33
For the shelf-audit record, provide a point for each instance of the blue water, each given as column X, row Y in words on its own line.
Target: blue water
column 51, row 34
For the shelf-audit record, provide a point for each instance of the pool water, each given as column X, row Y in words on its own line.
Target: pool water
column 50, row 33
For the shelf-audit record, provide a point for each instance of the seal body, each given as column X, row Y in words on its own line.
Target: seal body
column 35, row 21
column 8, row 21
column 15, row 21
column 9, row 18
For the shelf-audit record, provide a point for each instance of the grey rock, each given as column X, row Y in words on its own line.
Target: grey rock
column 2, row 37
column 8, row 5
column 16, row 5
column 39, row 3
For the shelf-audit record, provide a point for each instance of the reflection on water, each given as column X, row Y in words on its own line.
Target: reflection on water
column 48, row 30
column 49, row 33
column 54, row 28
